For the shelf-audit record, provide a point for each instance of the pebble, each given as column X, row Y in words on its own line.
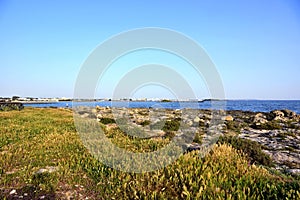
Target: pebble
column 13, row 192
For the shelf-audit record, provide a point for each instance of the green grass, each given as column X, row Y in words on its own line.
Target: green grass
column 35, row 138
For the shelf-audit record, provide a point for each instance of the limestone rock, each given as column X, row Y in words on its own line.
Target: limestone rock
column 189, row 122
column 99, row 116
column 13, row 192
column 228, row 118
column 278, row 115
column 260, row 118
column 49, row 169
column 288, row 113
column 196, row 119
column 193, row 147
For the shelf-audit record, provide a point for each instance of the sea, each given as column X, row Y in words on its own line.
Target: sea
column 244, row 105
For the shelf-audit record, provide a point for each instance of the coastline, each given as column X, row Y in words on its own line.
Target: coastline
column 244, row 105
column 277, row 133
column 43, row 147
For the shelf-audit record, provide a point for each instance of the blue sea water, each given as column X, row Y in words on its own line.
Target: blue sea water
column 245, row 105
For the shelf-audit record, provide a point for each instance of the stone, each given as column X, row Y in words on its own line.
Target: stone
column 294, row 171
column 260, row 118
column 85, row 115
column 99, row 116
column 193, row 147
column 277, row 146
column 98, row 108
column 13, row 192
column 49, row 169
column 202, row 122
column 196, row 119
column 228, row 118
column 139, row 120
column 278, row 115
column 206, row 116
column 288, row 113
column 189, row 122
column 283, row 145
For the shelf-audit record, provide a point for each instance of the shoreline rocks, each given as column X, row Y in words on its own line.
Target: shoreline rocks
column 277, row 131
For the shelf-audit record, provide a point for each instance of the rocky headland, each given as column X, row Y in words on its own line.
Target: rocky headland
column 271, row 138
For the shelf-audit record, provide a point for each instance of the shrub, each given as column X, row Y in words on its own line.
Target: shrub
column 145, row 123
column 44, row 181
column 271, row 125
column 252, row 149
column 235, row 126
column 11, row 106
column 169, row 134
column 198, row 138
column 172, row 125
column 106, row 120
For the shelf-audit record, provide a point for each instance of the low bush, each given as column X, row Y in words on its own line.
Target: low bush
column 145, row 123
column 198, row 138
column 252, row 149
column 172, row 125
column 235, row 126
column 270, row 125
column 11, row 106
column 105, row 120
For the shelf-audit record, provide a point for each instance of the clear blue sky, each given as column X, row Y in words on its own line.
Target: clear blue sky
column 255, row 45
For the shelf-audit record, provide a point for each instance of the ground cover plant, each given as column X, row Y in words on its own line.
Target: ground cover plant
column 42, row 156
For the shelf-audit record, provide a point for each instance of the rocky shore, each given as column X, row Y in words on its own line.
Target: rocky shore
column 277, row 132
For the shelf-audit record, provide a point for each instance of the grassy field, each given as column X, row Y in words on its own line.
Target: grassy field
column 42, row 157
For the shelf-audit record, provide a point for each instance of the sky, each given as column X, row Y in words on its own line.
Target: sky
column 255, row 45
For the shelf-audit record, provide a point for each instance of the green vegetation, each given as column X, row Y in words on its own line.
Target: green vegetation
column 105, row 120
column 235, row 126
column 198, row 138
column 10, row 106
column 32, row 139
column 167, row 126
column 291, row 124
column 145, row 123
column 252, row 149
column 124, row 138
column 172, row 125
column 270, row 125
column 165, row 100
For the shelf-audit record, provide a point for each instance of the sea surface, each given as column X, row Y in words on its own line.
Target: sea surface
column 245, row 105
